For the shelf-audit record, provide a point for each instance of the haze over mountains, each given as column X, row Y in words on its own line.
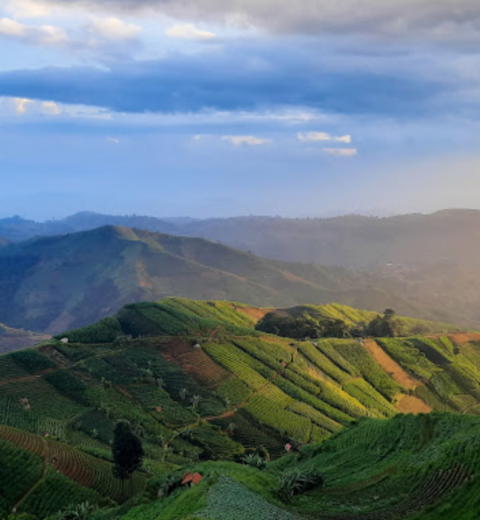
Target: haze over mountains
column 351, row 241
column 55, row 283
column 425, row 265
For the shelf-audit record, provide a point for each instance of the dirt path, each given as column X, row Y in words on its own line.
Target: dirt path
column 390, row 366
column 412, row 404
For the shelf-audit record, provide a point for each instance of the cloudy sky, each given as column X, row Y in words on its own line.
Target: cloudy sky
column 218, row 108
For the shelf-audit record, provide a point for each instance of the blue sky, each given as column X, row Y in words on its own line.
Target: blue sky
column 213, row 108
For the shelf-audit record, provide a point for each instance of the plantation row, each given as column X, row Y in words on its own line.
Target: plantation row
column 77, row 466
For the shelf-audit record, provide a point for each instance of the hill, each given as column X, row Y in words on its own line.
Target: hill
column 412, row 468
column 55, row 283
column 430, row 260
column 198, row 383
column 351, row 241
column 18, row 229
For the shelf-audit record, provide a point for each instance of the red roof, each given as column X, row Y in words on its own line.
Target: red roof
column 194, row 478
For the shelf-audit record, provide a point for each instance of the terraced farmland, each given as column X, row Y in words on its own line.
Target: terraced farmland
column 196, row 388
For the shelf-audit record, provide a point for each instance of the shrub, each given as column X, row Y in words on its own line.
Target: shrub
column 297, row 482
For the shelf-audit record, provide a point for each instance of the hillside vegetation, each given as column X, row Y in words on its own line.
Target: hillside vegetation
column 198, row 383
column 429, row 261
column 63, row 282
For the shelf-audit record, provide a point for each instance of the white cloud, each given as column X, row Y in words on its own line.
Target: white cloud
column 10, row 27
column 189, row 32
column 51, row 108
column 44, row 35
column 21, row 104
column 453, row 21
column 114, row 29
column 341, row 152
column 27, row 8
column 114, row 140
column 249, row 140
column 50, row 35
column 322, row 136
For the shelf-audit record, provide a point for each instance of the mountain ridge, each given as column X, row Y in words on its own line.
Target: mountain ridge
column 59, row 282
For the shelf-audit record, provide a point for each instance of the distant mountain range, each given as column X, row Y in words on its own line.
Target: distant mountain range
column 431, row 261
column 55, row 283
column 355, row 242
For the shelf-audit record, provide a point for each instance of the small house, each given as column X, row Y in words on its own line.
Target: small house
column 64, row 341
column 191, row 479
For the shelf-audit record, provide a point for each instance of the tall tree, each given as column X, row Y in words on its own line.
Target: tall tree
column 127, row 451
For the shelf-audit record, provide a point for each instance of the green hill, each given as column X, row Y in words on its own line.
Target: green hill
column 198, row 383
column 412, row 468
column 59, row 283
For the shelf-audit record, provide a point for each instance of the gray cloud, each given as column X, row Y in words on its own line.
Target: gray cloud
column 454, row 21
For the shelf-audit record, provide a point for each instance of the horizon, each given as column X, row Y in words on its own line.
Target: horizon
column 333, row 215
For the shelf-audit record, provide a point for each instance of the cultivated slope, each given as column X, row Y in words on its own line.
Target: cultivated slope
column 411, row 468
column 56, row 283
column 197, row 383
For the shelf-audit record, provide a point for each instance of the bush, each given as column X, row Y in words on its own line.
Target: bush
column 297, row 482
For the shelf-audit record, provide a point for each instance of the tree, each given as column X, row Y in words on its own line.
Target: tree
column 127, row 452
column 386, row 326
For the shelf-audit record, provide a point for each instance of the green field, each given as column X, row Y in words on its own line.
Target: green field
column 198, row 383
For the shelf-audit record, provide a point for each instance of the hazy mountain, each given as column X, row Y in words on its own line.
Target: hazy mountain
column 16, row 339
column 353, row 241
column 55, row 283
column 20, row 229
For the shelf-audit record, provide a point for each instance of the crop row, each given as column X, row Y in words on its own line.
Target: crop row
column 79, row 467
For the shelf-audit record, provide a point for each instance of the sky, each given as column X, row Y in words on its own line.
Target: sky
column 210, row 108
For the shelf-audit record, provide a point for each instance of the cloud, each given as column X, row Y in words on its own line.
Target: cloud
column 250, row 140
column 189, row 32
column 10, row 27
column 447, row 21
column 230, row 79
column 341, row 152
column 51, row 108
column 43, row 35
column 114, row 29
column 322, row 136
column 27, row 8
column 21, row 104
column 114, row 140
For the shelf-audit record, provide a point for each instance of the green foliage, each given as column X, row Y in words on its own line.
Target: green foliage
column 298, row 481
column 104, row 331
column 32, row 360
column 54, row 493
column 230, row 500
